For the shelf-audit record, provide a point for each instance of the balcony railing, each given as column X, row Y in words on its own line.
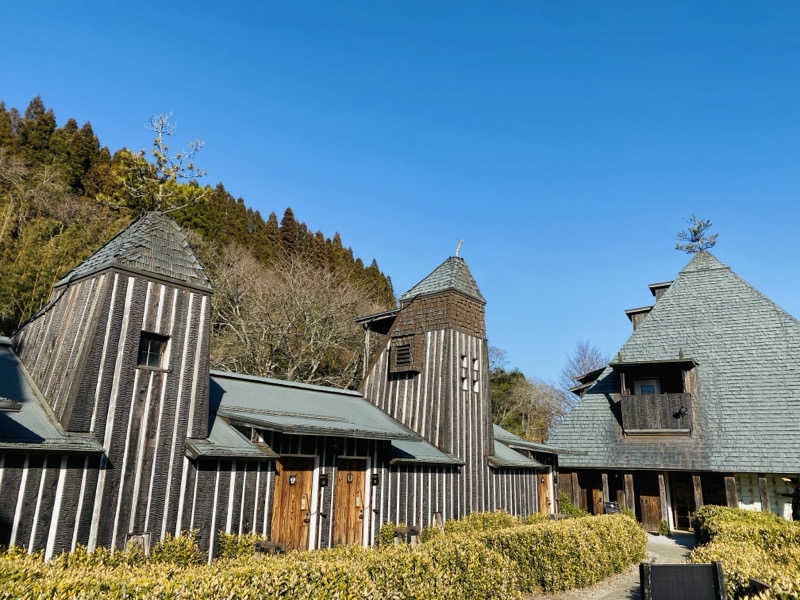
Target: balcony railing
column 656, row 413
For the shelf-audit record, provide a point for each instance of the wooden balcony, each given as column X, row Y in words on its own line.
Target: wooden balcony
column 656, row 413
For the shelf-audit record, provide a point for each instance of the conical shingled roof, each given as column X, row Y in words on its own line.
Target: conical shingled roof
column 152, row 244
column 452, row 274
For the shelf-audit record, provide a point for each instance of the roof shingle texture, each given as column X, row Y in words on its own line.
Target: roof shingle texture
column 747, row 403
column 154, row 244
column 452, row 274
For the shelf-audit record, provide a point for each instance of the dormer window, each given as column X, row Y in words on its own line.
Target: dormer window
column 152, row 348
column 647, row 387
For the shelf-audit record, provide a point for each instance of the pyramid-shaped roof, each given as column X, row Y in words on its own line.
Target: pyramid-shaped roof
column 747, row 396
column 151, row 244
column 452, row 274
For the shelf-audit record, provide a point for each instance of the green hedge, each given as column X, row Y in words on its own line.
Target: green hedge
column 485, row 562
column 750, row 544
column 573, row 553
column 449, row 568
column 482, row 521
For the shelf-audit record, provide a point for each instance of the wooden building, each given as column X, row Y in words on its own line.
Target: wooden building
column 112, row 427
column 700, row 406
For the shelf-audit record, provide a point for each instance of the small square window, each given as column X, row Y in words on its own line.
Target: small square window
column 151, row 349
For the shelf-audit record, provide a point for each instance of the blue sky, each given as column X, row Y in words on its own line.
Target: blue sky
column 566, row 143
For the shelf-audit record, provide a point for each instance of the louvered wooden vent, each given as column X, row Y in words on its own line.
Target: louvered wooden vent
column 402, row 355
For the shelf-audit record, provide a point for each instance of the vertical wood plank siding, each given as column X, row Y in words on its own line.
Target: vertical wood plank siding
column 81, row 352
column 434, row 404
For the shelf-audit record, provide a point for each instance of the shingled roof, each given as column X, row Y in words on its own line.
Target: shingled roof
column 747, row 403
column 452, row 274
column 152, row 244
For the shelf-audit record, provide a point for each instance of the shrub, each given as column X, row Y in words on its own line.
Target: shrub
column 750, row 544
column 386, row 534
column 230, row 545
column 663, row 528
column 482, row 521
column 559, row 555
column 627, row 512
column 430, row 533
column 565, row 507
column 534, row 518
column 181, row 550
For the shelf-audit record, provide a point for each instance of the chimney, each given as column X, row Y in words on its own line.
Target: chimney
column 658, row 289
column 637, row 315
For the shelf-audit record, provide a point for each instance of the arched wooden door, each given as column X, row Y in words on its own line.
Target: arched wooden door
column 291, row 502
column 348, row 501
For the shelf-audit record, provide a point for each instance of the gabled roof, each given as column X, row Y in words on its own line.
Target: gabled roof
column 452, row 274
column 26, row 422
column 224, row 441
column 420, row 451
column 298, row 408
column 505, row 457
column 747, row 407
column 152, row 244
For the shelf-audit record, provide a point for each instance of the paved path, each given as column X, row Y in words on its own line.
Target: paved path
column 625, row 586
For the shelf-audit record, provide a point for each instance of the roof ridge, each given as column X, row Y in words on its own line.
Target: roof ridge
column 452, row 273
column 284, row 383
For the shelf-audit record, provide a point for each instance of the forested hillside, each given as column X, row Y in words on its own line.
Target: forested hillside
column 284, row 296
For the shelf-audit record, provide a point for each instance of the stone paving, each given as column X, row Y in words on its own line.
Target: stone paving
column 673, row 549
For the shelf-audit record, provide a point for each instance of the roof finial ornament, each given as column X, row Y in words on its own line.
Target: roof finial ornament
column 458, row 248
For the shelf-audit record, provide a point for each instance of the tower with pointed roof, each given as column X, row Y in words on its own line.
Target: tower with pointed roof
column 120, row 355
column 431, row 373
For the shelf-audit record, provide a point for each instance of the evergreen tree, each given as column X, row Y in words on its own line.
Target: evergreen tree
column 696, row 237
column 289, row 232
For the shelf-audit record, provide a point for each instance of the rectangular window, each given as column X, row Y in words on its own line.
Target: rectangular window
column 464, row 384
column 402, row 355
column 644, row 387
column 151, row 350
column 463, row 361
column 474, row 364
column 476, row 386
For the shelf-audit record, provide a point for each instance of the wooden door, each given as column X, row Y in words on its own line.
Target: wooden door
column 682, row 500
column 651, row 512
column 348, row 501
column 291, row 503
column 544, row 494
column 597, row 501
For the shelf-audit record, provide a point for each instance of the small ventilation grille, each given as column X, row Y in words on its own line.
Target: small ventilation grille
column 402, row 355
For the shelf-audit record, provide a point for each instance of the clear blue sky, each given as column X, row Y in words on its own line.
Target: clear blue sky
column 565, row 142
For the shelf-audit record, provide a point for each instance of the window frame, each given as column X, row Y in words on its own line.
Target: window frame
column 654, row 381
column 150, row 338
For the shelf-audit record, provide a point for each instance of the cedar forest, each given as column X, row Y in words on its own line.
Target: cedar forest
column 284, row 297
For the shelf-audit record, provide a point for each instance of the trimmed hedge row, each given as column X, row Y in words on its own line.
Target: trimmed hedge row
column 452, row 568
column 573, row 553
column 485, row 562
column 750, row 544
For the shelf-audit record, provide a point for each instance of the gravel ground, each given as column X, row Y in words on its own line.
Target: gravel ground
column 625, row 586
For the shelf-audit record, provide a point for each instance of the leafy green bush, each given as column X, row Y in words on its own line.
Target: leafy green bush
column 449, row 568
column 736, row 524
column 230, row 545
column 534, row 518
column 430, row 533
column 565, row 507
column 560, row 555
column 750, row 544
column 386, row 534
column 482, row 521
column 627, row 512
column 663, row 528
column 181, row 550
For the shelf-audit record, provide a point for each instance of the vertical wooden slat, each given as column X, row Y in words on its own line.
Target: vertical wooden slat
column 698, row 491
column 731, row 497
column 630, row 501
column 762, row 491
column 662, row 494
column 606, row 495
